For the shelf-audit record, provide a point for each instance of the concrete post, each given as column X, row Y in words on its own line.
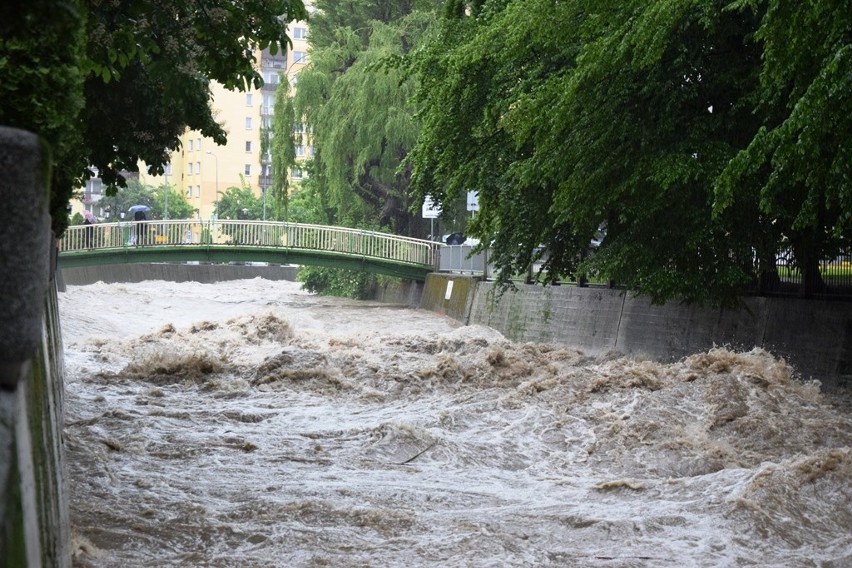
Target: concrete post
column 25, row 250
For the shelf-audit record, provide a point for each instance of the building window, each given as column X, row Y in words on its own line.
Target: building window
column 271, row 77
column 298, row 128
column 189, row 168
column 249, row 99
column 198, row 168
column 295, row 172
column 248, row 145
column 189, row 191
column 300, row 33
column 300, row 57
column 300, row 151
column 190, row 145
column 248, row 123
column 248, row 169
column 198, row 144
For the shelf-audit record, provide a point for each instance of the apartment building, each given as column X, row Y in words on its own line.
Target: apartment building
column 202, row 170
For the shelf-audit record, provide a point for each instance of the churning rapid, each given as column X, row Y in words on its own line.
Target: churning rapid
column 250, row 424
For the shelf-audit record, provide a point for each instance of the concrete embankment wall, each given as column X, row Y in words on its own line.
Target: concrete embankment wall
column 34, row 501
column 399, row 292
column 34, row 528
column 205, row 273
column 814, row 336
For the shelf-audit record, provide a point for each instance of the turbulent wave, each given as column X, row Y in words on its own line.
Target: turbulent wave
column 295, row 435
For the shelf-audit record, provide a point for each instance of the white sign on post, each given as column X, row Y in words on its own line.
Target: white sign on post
column 473, row 200
column 429, row 209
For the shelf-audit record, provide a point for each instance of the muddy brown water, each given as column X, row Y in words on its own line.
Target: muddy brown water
column 250, row 424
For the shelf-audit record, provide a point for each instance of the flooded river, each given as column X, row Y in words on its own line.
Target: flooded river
column 250, row 424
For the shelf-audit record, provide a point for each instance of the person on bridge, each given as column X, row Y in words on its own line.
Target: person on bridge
column 139, row 217
column 89, row 219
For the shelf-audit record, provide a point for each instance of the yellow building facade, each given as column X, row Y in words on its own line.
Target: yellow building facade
column 201, row 170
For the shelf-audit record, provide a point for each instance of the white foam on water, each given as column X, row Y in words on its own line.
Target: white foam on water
column 248, row 423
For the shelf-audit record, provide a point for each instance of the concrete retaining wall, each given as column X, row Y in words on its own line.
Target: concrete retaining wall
column 205, row 273
column 814, row 336
column 449, row 294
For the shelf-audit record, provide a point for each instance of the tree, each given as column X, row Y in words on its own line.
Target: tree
column 699, row 136
column 361, row 111
column 178, row 206
column 478, row 66
column 146, row 72
column 42, row 43
column 137, row 193
column 283, row 149
column 795, row 171
column 239, row 204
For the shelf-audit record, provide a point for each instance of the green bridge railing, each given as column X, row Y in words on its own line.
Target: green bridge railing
column 140, row 241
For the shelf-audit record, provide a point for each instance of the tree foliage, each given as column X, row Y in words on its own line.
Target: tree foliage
column 139, row 80
column 41, row 85
column 137, row 193
column 283, row 149
column 797, row 168
column 361, row 111
column 239, row 203
column 702, row 137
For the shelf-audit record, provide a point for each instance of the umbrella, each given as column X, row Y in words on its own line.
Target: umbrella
column 136, row 208
column 89, row 216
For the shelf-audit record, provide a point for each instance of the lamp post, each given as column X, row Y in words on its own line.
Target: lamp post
column 217, row 183
column 166, row 193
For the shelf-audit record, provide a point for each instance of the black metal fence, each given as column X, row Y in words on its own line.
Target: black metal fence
column 835, row 275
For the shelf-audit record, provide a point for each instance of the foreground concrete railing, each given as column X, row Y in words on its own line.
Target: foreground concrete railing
column 34, row 527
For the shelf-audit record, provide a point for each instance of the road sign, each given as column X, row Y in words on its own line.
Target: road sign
column 430, row 211
column 473, row 200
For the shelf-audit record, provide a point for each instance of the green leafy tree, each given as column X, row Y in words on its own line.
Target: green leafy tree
column 359, row 105
column 42, row 43
column 283, row 150
column 361, row 111
column 178, row 206
column 143, row 72
column 239, row 204
column 137, row 193
column 699, row 136
column 307, row 206
column 307, row 203
column 794, row 173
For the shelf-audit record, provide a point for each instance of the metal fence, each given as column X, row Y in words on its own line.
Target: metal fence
column 835, row 274
column 261, row 234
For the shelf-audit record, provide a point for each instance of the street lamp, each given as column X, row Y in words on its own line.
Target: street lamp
column 166, row 192
column 217, row 183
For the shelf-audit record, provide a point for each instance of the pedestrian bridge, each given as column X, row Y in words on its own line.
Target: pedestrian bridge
column 220, row 241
